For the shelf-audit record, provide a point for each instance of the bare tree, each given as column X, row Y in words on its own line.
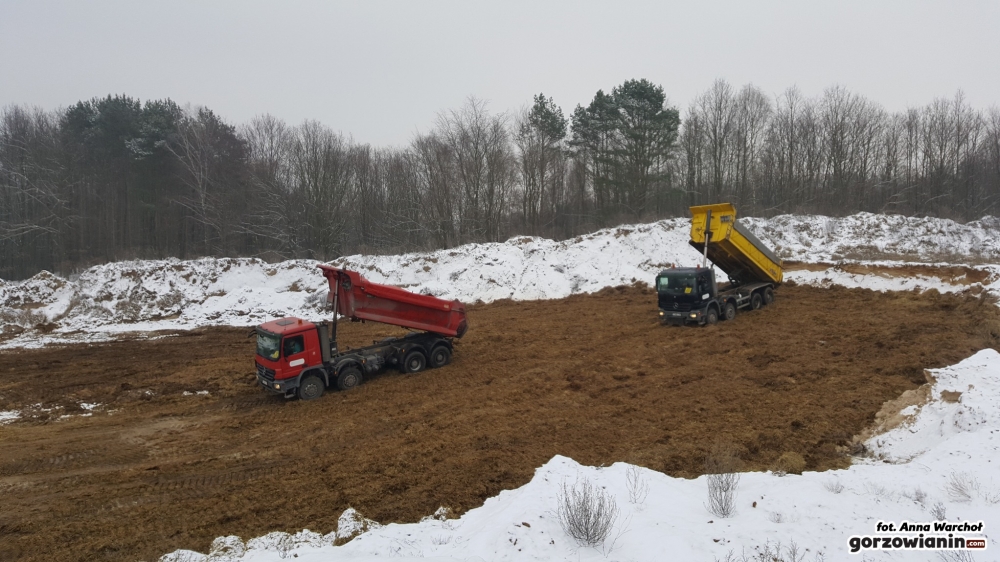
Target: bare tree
column 319, row 169
column 435, row 170
column 716, row 108
column 273, row 215
column 484, row 168
column 752, row 113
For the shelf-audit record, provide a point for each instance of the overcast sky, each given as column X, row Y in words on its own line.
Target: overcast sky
column 382, row 71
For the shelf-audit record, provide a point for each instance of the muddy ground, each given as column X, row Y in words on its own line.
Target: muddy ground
column 591, row 377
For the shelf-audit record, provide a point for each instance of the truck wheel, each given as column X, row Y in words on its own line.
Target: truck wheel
column 729, row 312
column 755, row 301
column 712, row 316
column 440, row 357
column 414, row 362
column 311, row 388
column 768, row 296
column 348, row 378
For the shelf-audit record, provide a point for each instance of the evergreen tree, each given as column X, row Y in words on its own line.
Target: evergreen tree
column 539, row 138
column 647, row 133
column 627, row 138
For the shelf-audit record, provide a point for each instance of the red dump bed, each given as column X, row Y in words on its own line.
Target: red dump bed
column 360, row 299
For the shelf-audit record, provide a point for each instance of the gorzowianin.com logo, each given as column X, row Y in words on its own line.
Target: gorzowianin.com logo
column 934, row 535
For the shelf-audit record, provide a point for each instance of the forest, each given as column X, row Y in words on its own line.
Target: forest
column 116, row 178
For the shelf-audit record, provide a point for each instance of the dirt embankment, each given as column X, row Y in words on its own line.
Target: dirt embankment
column 591, row 377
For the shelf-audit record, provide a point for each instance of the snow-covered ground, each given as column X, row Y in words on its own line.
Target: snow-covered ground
column 868, row 236
column 150, row 295
column 936, row 463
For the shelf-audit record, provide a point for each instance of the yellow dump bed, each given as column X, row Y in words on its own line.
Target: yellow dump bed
column 732, row 247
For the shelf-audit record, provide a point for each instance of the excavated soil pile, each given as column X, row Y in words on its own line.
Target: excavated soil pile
column 160, row 467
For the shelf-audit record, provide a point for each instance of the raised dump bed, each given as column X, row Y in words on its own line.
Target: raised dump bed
column 359, row 299
column 733, row 248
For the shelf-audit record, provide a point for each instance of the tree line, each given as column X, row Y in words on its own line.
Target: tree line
column 115, row 178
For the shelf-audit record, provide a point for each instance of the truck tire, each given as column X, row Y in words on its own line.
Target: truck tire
column 756, row 301
column 440, row 356
column 348, row 378
column 311, row 388
column 729, row 311
column 768, row 296
column 414, row 362
column 712, row 316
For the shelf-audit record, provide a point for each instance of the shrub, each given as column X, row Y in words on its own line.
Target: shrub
column 638, row 488
column 773, row 552
column 586, row 512
column 722, row 465
column 964, row 487
column 939, row 513
column 834, row 486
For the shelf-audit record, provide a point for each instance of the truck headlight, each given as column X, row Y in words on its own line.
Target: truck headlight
column 694, row 316
column 661, row 313
column 277, row 387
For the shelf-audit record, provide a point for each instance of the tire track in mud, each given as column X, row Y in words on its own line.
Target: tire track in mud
column 210, row 480
column 70, row 462
column 24, row 466
column 167, row 490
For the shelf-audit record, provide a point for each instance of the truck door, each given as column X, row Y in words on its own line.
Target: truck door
column 293, row 349
column 705, row 286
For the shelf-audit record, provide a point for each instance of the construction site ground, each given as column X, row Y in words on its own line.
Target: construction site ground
column 162, row 465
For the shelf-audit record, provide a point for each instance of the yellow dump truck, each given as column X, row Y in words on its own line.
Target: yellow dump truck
column 690, row 295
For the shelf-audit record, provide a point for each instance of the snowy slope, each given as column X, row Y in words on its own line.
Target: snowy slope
column 916, row 473
column 174, row 294
column 868, row 236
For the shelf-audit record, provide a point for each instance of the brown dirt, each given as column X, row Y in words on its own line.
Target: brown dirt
column 593, row 377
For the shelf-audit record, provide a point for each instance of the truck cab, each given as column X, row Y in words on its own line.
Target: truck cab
column 687, row 295
column 286, row 347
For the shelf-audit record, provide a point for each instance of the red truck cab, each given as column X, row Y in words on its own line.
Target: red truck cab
column 285, row 348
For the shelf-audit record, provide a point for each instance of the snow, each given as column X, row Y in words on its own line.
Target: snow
column 883, row 281
column 915, row 470
column 815, row 238
column 140, row 297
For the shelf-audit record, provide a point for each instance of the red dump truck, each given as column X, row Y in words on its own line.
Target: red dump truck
column 296, row 357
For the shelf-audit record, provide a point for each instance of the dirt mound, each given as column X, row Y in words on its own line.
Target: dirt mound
column 594, row 377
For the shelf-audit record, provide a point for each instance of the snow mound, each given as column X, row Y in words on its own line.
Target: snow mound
column 142, row 296
column 961, row 417
column 527, row 268
column 868, row 236
column 351, row 524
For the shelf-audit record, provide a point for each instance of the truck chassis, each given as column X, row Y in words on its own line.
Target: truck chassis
column 724, row 306
column 410, row 354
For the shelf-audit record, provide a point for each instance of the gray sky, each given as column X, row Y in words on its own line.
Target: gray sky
column 381, row 71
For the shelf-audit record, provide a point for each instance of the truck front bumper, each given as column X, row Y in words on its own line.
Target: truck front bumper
column 680, row 317
column 279, row 386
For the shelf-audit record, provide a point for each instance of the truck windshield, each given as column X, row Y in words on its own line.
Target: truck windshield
column 268, row 345
column 675, row 284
